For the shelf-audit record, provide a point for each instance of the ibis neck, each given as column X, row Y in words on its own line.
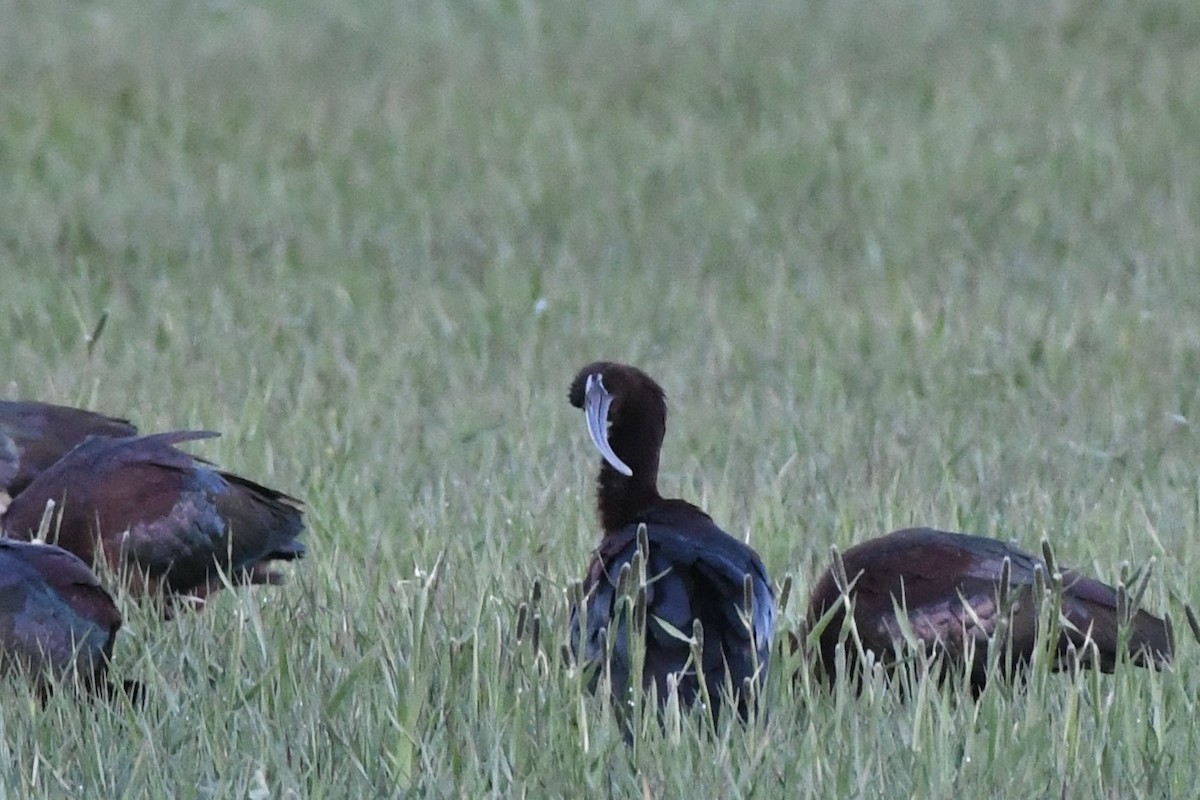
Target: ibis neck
column 621, row 498
column 636, row 438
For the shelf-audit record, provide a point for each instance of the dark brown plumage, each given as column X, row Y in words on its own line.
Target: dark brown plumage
column 949, row 587
column 35, row 435
column 165, row 519
column 696, row 571
column 55, row 618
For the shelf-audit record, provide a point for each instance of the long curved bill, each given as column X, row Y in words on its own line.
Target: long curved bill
column 596, row 401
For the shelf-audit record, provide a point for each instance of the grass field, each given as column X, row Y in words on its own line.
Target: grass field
column 894, row 263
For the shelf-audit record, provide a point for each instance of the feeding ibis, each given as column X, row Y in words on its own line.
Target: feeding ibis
column 163, row 518
column 55, row 617
column 948, row 588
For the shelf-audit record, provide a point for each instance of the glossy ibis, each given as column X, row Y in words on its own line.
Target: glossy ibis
column 55, row 618
column 695, row 572
column 949, row 587
column 163, row 518
column 35, row 435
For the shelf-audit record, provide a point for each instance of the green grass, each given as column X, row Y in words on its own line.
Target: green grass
column 893, row 262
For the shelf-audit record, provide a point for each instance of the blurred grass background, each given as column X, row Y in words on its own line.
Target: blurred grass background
column 894, row 263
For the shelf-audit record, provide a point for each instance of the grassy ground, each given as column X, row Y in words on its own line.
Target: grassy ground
column 894, row 263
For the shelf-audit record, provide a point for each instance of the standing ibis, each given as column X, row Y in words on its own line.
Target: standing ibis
column 55, row 618
column 165, row 520
column 956, row 595
column 701, row 584
column 35, row 435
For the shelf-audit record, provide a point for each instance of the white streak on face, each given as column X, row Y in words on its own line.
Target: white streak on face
column 596, row 401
